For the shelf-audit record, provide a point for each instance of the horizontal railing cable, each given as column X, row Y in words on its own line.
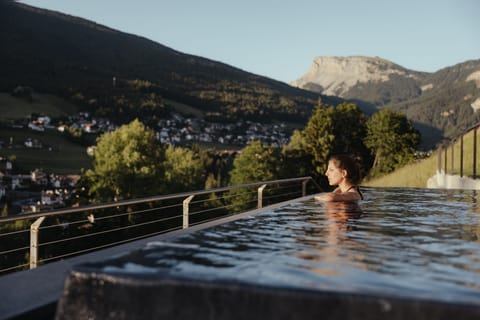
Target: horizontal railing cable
column 127, row 220
column 107, row 231
column 14, row 250
column 14, row 232
column 21, row 266
column 108, row 245
column 142, row 200
column 119, row 215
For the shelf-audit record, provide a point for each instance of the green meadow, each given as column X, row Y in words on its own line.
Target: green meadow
column 19, row 108
column 58, row 154
column 416, row 174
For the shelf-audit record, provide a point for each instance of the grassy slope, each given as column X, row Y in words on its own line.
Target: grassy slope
column 416, row 174
column 15, row 108
column 64, row 156
column 59, row 154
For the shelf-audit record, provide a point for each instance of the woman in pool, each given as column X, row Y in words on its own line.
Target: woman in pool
column 343, row 172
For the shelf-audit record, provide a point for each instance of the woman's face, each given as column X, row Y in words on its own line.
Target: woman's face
column 334, row 174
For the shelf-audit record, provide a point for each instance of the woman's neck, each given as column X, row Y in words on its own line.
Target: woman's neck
column 345, row 186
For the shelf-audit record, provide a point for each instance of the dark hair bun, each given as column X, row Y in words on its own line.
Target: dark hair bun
column 353, row 166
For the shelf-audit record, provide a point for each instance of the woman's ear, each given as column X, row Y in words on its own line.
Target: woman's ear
column 344, row 173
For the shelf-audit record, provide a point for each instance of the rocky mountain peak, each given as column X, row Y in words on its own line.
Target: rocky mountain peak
column 333, row 75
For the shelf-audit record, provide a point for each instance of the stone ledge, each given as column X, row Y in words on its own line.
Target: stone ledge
column 90, row 295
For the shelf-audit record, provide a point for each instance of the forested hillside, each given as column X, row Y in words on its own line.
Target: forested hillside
column 122, row 75
column 449, row 101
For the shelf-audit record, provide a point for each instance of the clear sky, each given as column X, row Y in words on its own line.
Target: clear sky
column 280, row 38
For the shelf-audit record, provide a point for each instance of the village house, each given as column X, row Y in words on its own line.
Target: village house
column 5, row 165
column 51, row 198
column 38, row 207
column 90, row 127
column 3, row 190
column 91, row 150
column 59, row 182
column 40, row 123
column 33, row 143
column 17, row 181
column 35, row 127
column 39, row 177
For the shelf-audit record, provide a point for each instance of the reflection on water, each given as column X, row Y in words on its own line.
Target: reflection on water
column 407, row 242
column 335, row 220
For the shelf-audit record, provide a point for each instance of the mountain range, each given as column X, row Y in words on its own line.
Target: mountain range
column 113, row 72
column 442, row 104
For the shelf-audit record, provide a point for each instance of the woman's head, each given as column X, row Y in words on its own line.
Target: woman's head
column 347, row 169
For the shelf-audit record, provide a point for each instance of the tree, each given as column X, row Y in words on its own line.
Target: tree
column 184, row 170
column 392, row 139
column 349, row 129
column 4, row 210
column 319, row 135
column 331, row 130
column 217, row 166
column 296, row 161
column 126, row 164
column 255, row 163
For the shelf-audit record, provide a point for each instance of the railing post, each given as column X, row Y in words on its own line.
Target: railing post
column 461, row 156
column 452, row 165
column 439, row 160
column 260, row 196
column 186, row 204
column 446, row 159
column 304, row 188
column 34, row 229
column 475, row 153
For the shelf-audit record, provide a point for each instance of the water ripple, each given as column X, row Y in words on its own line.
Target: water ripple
column 408, row 242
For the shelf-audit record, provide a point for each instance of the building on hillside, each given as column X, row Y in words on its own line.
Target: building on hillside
column 33, row 143
column 16, row 182
column 51, row 198
column 5, row 166
column 39, row 177
column 3, row 190
column 64, row 182
column 91, row 150
column 33, row 208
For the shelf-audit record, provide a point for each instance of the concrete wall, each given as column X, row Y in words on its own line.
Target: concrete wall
column 445, row 181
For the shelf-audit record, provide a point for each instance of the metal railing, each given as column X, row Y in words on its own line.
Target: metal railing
column 451, row 155
column 31, row 239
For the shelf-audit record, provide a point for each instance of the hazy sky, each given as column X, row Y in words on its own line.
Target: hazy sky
column 279, row 39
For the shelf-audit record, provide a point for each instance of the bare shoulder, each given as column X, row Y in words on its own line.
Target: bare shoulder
column 327, row 196
column 333, row 196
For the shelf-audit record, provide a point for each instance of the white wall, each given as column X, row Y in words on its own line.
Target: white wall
column 446, row 181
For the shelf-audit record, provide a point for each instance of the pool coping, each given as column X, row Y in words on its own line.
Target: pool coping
column 92, row 295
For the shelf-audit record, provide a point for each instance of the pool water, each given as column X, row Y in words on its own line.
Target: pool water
column 400, row 242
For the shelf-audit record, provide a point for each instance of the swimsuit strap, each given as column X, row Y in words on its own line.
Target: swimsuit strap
column 352, row 187
column 357, row 189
